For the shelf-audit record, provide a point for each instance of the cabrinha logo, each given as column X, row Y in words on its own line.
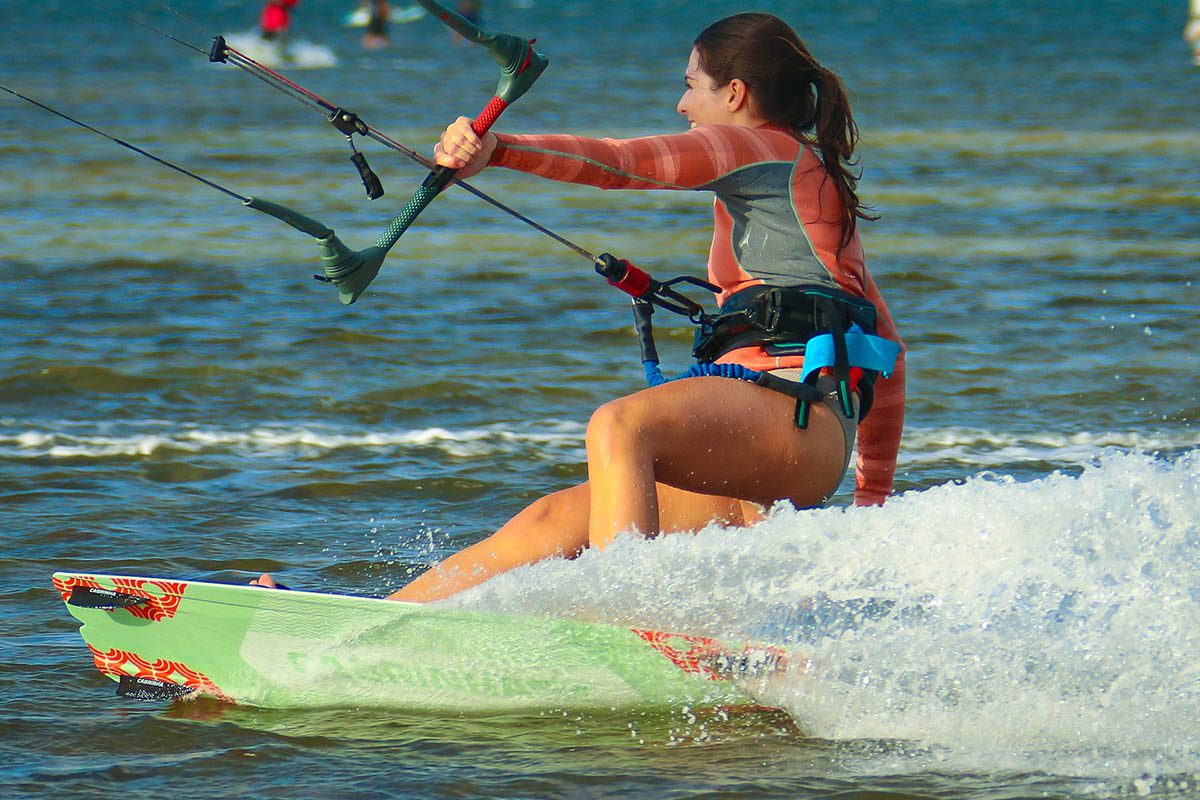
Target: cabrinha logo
column 119, row 662
column 163, row 599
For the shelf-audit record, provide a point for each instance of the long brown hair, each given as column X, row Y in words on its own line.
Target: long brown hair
column 789, row 88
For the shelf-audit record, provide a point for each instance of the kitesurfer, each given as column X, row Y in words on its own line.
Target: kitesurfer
column 275, row 18
column 772, row 137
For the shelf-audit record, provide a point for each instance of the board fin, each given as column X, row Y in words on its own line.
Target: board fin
column 96, row 597
column 150, row 688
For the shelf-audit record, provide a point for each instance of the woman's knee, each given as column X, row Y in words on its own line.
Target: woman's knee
column 614, row 426
column 557, row 508
column 555, row 523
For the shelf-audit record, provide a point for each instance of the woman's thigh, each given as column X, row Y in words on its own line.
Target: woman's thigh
column 560, row 519
column 731, row 439
column 681, row 510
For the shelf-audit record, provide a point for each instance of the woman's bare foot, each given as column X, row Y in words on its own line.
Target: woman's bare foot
column 265, row 581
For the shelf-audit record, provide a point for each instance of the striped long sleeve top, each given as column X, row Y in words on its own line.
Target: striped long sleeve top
column 777, row 221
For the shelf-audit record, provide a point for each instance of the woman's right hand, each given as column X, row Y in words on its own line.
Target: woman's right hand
column 462, row 150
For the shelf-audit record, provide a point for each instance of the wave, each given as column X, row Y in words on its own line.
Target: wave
column 993, row 625
column 985, row 449
column 973, row 448
column 148, row 437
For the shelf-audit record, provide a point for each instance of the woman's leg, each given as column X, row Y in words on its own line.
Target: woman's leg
column 667, row 459
column 714, row 436
column 673, row 458
column 555, row 526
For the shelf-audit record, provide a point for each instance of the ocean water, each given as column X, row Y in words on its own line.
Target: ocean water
column 179, row 398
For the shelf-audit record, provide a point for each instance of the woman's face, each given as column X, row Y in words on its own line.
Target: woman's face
column 703, row 102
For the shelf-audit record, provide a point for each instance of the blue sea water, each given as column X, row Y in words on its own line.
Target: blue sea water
column 179, row 398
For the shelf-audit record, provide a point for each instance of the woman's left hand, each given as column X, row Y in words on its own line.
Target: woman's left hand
column 462, row 150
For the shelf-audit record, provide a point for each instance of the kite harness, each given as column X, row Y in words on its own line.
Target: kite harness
column 834, row 330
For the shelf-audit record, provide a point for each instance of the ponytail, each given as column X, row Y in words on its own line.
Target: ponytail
column 835, row 134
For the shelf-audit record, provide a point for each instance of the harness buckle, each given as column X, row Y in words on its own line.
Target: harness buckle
column 771, row 310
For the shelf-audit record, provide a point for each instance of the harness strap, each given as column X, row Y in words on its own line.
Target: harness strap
column 805, row 393
column 841, row 360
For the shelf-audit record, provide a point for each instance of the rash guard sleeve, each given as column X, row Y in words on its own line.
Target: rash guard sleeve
column 879, row 440
column 681, row 161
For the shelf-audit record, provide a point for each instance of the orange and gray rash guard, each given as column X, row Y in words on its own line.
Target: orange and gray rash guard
column 777, row 222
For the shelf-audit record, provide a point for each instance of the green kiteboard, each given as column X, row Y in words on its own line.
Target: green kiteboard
column 161, row 638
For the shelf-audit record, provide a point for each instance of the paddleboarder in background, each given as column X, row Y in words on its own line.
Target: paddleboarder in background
column 772, row 137
column 376, row 34
column 275, row 18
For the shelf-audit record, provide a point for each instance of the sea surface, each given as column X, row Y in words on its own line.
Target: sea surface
column 179, row 398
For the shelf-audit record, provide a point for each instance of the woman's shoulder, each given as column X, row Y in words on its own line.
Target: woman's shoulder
column 765, row 132
column 743, row 142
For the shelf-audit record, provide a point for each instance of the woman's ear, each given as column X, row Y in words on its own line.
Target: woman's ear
column 739, row 96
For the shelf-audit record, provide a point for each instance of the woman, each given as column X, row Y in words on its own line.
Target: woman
column 772, row 136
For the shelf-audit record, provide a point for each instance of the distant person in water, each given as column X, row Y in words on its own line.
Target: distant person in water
column 275, row 19
column 376, row 35
column 1191, row 32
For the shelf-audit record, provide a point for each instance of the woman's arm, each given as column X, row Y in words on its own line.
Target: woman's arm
column 694, row 159
column 879, row 440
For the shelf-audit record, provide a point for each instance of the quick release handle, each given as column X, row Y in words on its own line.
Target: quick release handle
column 630, row 279
column 370, row 180
column 644, row 326
column 638, row 284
